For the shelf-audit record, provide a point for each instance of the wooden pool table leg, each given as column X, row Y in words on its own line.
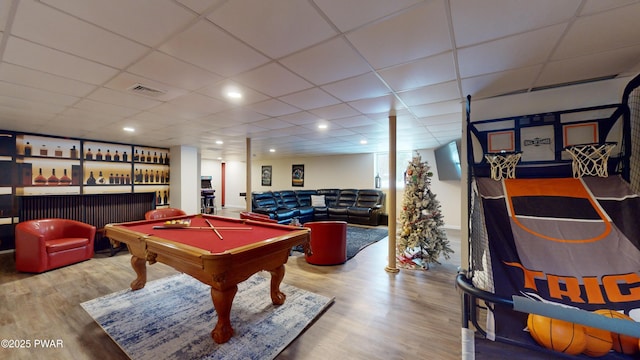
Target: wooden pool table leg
column 222, row 301
column 140, row 267
column 277, row 274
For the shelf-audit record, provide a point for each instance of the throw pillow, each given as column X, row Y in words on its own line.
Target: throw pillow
column 318, row 201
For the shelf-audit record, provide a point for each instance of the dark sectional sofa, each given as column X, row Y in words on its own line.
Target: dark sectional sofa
column 355, row 206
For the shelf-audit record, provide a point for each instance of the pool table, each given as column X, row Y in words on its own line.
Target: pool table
column 221, row 258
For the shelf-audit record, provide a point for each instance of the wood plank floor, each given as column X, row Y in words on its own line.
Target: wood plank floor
column 376, row 315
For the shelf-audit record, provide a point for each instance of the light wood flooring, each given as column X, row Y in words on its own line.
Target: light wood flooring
column 376, row 315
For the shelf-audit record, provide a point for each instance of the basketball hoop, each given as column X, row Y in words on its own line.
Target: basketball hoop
column 503, row 164
column 590, row 159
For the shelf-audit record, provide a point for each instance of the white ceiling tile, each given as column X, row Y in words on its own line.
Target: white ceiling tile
column 310, row 99
column 55, row 62
column 40, row 80
column 589, row 67
column 5, row 10
column 272, row 124
column 350, row 14
column 422, row 72
column 360, row 87
column 479, row 21
column 200, row 103
column 382, row 104
column 172, row 71
column 452, row 118
column 200, row 6
column 131, row 18
column 587, row 34
column 500, row 83
column 300, row 118
column 104, row 108
column 418, row 33
column 273, row 107
column 201, row 45
column 434, row 109
column 434, row 93
column 178, row 112
column 330, row 61
column 274, row 80
column 33, row 94
column 240, row 116
column 43, row 25
column 355, row 121
column 334, row 111
column 125, row 81
column 296, row 21
column 509, row 53
column 37, row 106
column 123, row 99
column 593, row 6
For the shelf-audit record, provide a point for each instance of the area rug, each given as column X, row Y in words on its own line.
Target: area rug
column 172, row 318
column 359, row 238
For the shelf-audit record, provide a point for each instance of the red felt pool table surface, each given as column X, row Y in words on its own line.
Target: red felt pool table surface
column 235, row 233
column 239, row 249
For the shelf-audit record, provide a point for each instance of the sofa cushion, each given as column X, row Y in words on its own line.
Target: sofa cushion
column 318, row 201
column 56, row 245
column 359, row 211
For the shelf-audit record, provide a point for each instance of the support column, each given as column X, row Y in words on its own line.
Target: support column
column 391, row 267
column 248, row 175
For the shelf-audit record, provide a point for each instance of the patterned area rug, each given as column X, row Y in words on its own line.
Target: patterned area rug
column 359, row 238
column 172, row 318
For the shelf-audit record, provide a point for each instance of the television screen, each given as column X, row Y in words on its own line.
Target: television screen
column 448, row 161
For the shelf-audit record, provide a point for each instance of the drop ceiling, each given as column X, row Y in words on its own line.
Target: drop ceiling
column 70, row 67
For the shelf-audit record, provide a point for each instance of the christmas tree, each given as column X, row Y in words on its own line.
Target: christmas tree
column 422, row 238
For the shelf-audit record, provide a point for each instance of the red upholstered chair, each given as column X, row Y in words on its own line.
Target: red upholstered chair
column 328, row 242
column 257, row 217
column 47, row 244
column 163, row 213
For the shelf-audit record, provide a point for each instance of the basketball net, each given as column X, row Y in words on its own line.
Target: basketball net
column 503, row 165
column 590, row 160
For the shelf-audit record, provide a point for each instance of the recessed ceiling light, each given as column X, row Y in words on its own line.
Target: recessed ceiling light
column 272, row 150
column 234, row 94
column 129, row 129
column 363, row 141
column 323, row 126
column 219, row 142
column 219, row 158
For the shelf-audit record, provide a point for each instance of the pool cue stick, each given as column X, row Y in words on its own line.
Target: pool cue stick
column 214, row 229
column 199, row 228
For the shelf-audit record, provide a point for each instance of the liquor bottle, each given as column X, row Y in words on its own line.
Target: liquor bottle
column 88, row 155
column 127, row 180
column 162, row 177
column 136, row 156
column 167, row 178
column 159, row 199
column 136, row 176
column 165, row 199
column 27, row 149
column 100, row 180
column 107, row 156
column 155, row 157
column 40, row 180
column 99, row 155
column 43, row 150
column 116, row 157
column 166, row 159
column 65, row 180
column 149, row 158
column 91, row 180
column 73, row 153
column 146, row 175
column 58, row 152
column 121, row 179
column 157, row 176
column 125, row 157
column 53, row 179
column 160, row 159
column 111, row 179
column 152, row 177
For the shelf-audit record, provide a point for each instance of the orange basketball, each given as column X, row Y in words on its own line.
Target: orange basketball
column 599, row 341
column 621, row 343
column 558, row 335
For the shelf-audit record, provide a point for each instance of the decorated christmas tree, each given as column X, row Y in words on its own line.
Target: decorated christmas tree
column 422, row 239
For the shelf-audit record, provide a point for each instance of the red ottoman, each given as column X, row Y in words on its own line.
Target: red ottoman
column 328, row 242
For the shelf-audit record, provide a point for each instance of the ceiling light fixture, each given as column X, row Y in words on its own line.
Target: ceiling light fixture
column 233, row 94
column 129, row 129
column 272, row 150
column 322, row 126
column 219, row 142
column 363, row 142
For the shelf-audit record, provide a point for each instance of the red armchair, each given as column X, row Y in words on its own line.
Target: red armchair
column 47, row 244
column 328, row 242
column 163, row 213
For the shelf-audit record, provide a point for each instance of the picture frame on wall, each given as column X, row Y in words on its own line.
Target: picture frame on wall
column 297, row 175
column 266, row 175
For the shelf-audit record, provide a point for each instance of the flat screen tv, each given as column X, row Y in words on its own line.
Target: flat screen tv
column 448, row 161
